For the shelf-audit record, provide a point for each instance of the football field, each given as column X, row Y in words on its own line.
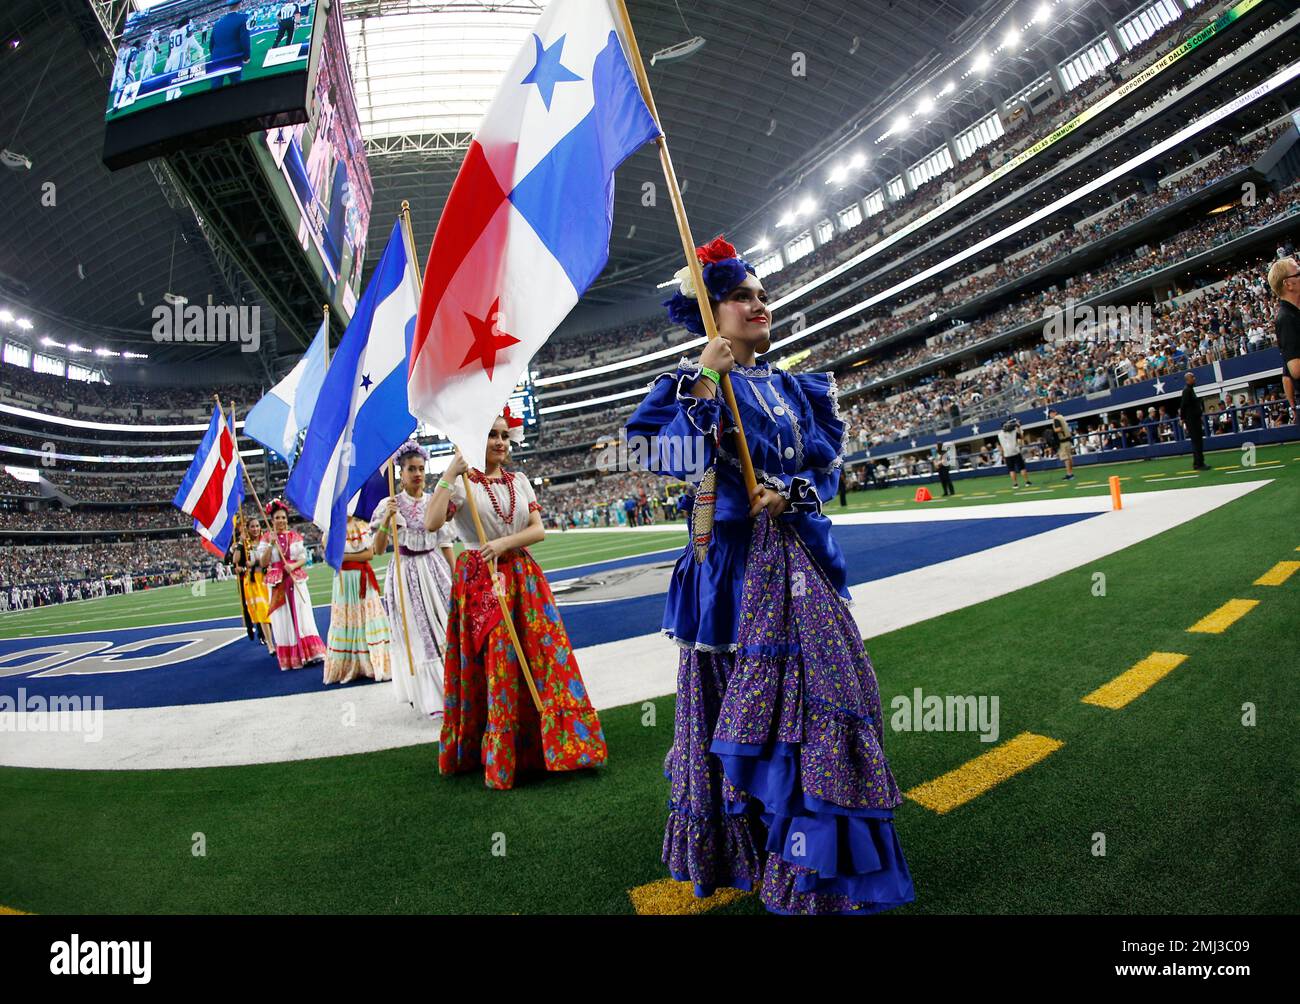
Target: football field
column 1140, row 758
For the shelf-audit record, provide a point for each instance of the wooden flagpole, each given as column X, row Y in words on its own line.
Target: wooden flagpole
column 688, row 243
column 469, row 501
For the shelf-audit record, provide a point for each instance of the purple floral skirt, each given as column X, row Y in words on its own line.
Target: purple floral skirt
column 779, row 778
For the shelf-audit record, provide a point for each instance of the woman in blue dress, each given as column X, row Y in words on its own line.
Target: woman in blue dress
column 778, row 777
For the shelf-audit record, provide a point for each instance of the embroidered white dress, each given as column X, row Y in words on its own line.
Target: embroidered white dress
column 417, row 613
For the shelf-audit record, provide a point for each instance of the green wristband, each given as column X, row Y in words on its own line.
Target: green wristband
column 711, row 374
column 443, row 483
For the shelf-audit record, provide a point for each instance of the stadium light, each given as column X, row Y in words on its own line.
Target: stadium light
column 23, row 323
column 900, row 124
column 948, row 88
column 49, row 342
column 1012, row 39
column 1043, row 13
column 925, row 107
column 981, row 62
column 806, row 206
column 838, row 173
column 858, row 161
column 7, row 317
column 785, row 220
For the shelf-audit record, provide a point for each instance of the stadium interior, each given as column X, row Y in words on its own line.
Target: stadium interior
column 969, row 212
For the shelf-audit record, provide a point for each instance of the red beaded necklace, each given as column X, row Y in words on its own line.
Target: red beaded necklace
column 478, row 477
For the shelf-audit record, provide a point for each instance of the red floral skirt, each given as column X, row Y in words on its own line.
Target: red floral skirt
column 490, row 718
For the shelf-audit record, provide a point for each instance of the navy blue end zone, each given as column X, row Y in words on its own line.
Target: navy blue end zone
column 240, row 669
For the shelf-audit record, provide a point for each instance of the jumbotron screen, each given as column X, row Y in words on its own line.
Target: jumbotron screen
column 320, row 176
column 208, row 67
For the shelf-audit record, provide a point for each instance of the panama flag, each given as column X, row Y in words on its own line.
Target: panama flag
column 361, row 416
column 212, row 491
column 526, row 227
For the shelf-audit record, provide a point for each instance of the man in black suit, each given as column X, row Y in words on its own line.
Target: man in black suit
column 1189, row 409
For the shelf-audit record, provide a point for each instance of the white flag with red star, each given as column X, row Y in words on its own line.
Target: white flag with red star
column 526, row 227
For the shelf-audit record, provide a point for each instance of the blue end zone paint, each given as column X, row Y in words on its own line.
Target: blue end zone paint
column 871, row 551
column 242, row 669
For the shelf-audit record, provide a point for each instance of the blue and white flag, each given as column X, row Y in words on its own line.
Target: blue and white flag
column 361, row 416
column 277, row 419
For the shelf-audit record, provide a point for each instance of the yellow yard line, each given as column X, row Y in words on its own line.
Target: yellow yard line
column 972, row 779
column 1231, row 467
column 1136, row 681
column 1223, row 618
column 670, row 897
column 9, row 911
column 1279, row 573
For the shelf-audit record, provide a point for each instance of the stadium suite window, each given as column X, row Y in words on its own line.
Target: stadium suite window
column 18, row 355
column 797, row 248
column 49, row 364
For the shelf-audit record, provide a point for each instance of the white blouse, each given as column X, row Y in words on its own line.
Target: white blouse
column 500, row 520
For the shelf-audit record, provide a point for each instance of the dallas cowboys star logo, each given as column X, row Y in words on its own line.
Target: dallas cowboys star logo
column 366, row 381
column 1160, row 386
column 548, row 71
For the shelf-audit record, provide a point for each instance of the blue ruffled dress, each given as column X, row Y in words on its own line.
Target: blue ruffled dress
column 778, row 777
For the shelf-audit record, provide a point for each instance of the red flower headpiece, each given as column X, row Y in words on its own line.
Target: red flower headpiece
column 514, row 426
column 718, row 249
column 275, row 504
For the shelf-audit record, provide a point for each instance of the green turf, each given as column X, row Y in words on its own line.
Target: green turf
column 1197, row 809
column 202, row 601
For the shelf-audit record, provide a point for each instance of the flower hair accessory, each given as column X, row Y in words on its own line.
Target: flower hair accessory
column 723, row 271
column 410, row 448
column 514, row 427
column 277, row 505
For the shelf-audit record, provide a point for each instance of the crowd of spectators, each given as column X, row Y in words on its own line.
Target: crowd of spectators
column 1231, row 320
column 135, row 518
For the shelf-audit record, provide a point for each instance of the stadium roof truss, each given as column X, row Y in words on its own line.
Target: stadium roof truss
column 747, row 130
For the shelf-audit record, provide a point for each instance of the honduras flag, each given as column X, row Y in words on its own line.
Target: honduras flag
column 526, row 226
column 212, row 491
column 361, row 416
column 277, row 419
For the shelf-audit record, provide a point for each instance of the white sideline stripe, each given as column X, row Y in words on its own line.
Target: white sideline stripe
column 309, row 726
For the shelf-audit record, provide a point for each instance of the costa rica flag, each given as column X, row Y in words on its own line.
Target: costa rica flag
column 212, row 491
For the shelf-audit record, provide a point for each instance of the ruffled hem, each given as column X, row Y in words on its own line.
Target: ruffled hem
column 822, row 857
column 309, row 649
column 697, row 646
column 713, row 852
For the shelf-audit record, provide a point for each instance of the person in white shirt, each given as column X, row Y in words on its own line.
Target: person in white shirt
column 1010, row 443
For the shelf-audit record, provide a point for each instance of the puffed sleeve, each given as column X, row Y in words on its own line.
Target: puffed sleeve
column 823, row 436
column 530, row 496
column 672, row 431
